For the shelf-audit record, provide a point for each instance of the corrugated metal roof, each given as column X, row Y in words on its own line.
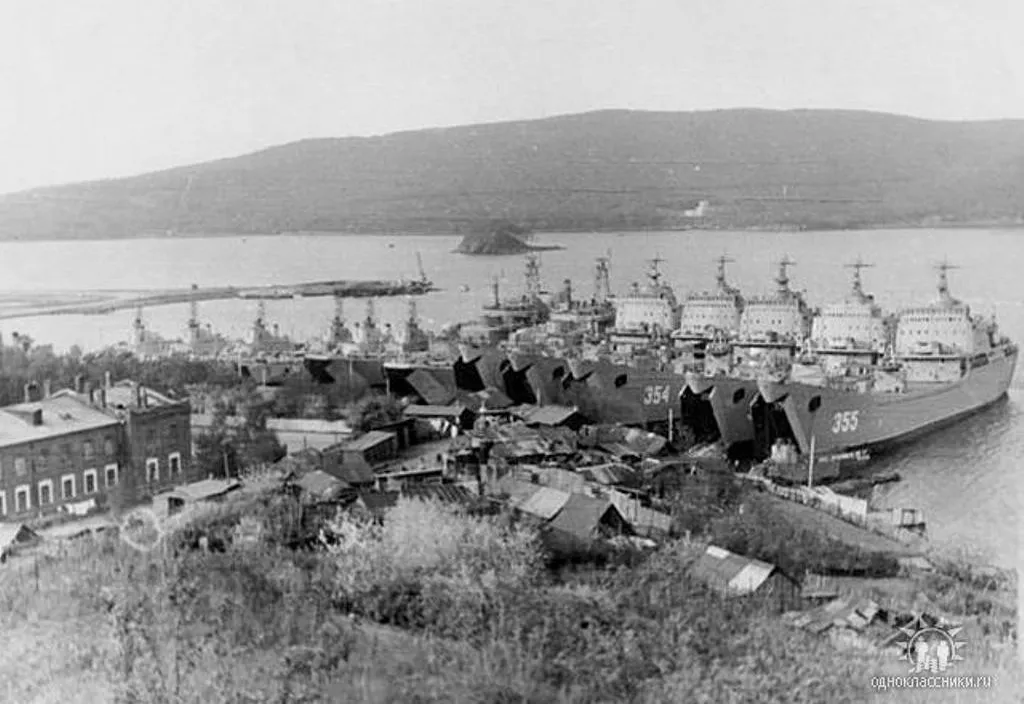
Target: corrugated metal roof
column 730, row 573
column 581, row 515
column 449, row 493
column 368, row 440
column 544, row 503
column 561, row 479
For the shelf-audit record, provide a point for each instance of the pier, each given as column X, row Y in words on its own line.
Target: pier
column 16, row 304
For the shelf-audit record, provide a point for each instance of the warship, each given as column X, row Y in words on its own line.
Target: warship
column 772, row 329
column 646, row 315
column 946, row 363
column 501, row 317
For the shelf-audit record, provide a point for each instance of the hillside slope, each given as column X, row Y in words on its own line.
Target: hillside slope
column 600, row 170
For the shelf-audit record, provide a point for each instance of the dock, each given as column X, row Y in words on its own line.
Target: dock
column 26, row 304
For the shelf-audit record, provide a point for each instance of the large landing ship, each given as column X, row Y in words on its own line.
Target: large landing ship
column 947, row 364
column 772, row 329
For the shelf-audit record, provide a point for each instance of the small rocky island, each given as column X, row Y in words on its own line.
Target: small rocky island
column 500, row 238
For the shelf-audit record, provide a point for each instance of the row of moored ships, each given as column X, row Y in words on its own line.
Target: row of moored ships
column 750, row 373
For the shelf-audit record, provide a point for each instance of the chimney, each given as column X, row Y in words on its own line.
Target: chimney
column 28, row 393
column 103, row 397
column 138, row 395
column 46, row 388
column 106, row 380
column 92, row 392
column 37, row 417
column 32, row 392
column 79, row 383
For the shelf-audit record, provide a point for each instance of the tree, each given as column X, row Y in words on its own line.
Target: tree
column 372, row 412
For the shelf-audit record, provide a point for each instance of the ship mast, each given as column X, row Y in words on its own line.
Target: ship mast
column 532, row 276
column 858, row 287
column 723, row 285
column 193, row 313
column 654, row 274
column 943, row 267
column 782, row 279
column 602, row 284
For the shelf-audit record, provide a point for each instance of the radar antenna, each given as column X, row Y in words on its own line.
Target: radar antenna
column 720, row 278
column 857, row 266
column 943, row 267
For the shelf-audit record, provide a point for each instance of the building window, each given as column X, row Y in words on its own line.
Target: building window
column 22, row 499
column 89, row 481
column 87, row 450
column 67, row 487
column 174, row 463
column 46, row 492
column 110, row 475
column 152, row 470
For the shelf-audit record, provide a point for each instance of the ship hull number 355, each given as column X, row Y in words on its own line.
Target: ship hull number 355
column 845, row 422
column 656, row 395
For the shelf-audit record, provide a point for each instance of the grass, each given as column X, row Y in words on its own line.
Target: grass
column 432, row 605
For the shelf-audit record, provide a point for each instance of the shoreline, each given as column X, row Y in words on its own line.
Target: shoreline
column 767, row 229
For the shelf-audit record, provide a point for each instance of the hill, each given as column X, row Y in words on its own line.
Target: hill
column 501, row 238
column 599, row 170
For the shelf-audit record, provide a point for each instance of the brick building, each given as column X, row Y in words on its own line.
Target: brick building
column 79, row 448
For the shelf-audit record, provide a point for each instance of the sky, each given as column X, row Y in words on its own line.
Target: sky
column 110, row 88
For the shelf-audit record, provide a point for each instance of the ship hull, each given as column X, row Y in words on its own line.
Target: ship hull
column 846, row 420
column 730, row 399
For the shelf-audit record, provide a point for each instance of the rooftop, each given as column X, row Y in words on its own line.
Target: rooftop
column 368, row 440
column 56, row 416
column 728, row 572
column 206, row 489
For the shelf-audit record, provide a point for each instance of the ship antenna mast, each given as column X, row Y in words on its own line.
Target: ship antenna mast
column 532, row 276
column 857, row 266
column 419, row 267
column 602, row 285
column 943, row 267
column 783, row 277
column 261, row 312
column 720, row 278
column 193, row 308
column 654, row 274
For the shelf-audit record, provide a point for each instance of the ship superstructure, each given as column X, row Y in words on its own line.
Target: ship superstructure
column 500, row 317
column 848, row 337
column 948, row 363
column 645, row 315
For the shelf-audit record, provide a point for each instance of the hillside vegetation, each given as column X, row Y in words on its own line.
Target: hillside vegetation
column 599, row 170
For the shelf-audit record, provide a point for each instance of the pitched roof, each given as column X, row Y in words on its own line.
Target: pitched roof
column 368, row 440
column 448, row 493
column 352, row 473
column 60, row 415
column 729, row 573
column 125, row 394
column 430, row 411
column 609, row 474
column 547, row 415
column 544, row 503
column 206, row 489
column 321, row 484
column 429, row 388
column 14, row 533
column 581, row 515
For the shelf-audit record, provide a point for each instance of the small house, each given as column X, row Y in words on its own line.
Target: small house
column 587, row 518
column 552, row 416
column 318, row 485
column 207, row 490
column 733, row 575
column 354, row 461
column 446, row 420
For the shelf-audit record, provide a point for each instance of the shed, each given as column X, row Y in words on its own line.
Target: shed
column 370, row 448
column 14, row 536
column 207, row 490
column 732, row 575
column 321, row 486
column 588, row 518
column 544, row 503
column 552, row 416
column 855, row 613
column 455, row 414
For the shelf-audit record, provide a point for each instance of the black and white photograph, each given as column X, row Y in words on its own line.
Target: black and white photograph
column 494, row 351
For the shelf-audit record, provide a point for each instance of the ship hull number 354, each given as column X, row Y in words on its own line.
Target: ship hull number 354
column 845, row 422
column 656, row 395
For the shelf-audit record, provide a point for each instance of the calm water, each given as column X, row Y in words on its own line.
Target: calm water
column 964, row 478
